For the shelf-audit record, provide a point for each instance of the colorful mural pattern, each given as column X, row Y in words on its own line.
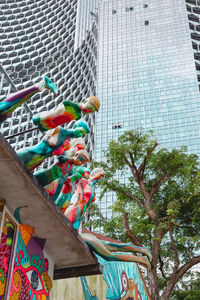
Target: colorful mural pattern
column 124, row 280
column 30, row 279
column 8, row 230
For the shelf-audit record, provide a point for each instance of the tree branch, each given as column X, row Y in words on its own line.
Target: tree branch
column 134, row 198
column 143, row 164
column 175, row 277
column 133, row 163
column 131, row 196
column 158, row 184
column 128, row 231
column 139, row 181
column 193, row 261
column 151, row 213
column 155, row 247
column 161, row 266
column 132, row 167
column 176, row 261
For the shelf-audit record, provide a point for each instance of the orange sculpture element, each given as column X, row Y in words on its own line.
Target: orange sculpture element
column 26, row 231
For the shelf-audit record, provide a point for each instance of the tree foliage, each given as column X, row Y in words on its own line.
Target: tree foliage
column 188, row 290
column 157, row 204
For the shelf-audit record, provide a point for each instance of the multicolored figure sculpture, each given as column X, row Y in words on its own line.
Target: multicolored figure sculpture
column 51, row 143
column 65, row 113
column 84, row 194
column 118, row 251
column 14, row 100
column 65, row 196
column 54, row 178
column 75, row 156
column 54, row 188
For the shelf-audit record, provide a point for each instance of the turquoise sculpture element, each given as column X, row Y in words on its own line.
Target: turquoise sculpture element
column 57, row 187
column 63, row 166
column 66, row 194
column 86, row 290
column 54, row 178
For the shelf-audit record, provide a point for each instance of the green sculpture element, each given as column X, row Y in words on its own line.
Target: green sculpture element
column 63, row 166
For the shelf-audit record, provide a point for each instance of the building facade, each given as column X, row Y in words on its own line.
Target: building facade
column 147, row 74
column 42, row 38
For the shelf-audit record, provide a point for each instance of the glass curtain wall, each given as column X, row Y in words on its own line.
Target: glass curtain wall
column 146, row 75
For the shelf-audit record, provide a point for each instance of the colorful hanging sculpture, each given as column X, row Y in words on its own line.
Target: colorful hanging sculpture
column 118, row 251
column 72, row 189
column 83, row 195
column 13, row 101
column 65, row 113
column 54, row 188
column 68, row 189
column 75, row 156
column 52, row 141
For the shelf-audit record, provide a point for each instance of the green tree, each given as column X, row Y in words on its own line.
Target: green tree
column 188, row 290
column 158, row 205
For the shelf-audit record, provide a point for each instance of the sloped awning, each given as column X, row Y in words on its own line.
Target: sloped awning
column 18, row 187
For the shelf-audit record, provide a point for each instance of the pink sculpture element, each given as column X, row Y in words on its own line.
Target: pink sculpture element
column 67, row 191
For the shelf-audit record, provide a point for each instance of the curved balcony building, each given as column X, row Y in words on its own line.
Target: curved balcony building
column 37, row 38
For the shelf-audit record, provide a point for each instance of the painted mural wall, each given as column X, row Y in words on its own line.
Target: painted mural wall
column 124, row 280
column 119, row 281
column 71, row 289
column 25, row 269
column 8, row 234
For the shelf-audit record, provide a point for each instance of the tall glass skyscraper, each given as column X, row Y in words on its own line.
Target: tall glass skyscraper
column 147, row 74
column 38, row 38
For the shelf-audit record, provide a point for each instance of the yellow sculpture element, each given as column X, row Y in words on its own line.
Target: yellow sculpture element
column 95, row 101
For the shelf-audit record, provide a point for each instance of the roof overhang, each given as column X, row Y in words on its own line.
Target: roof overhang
column 19, row 187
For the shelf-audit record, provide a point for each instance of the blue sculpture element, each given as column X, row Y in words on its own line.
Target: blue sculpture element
column 86, row 290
